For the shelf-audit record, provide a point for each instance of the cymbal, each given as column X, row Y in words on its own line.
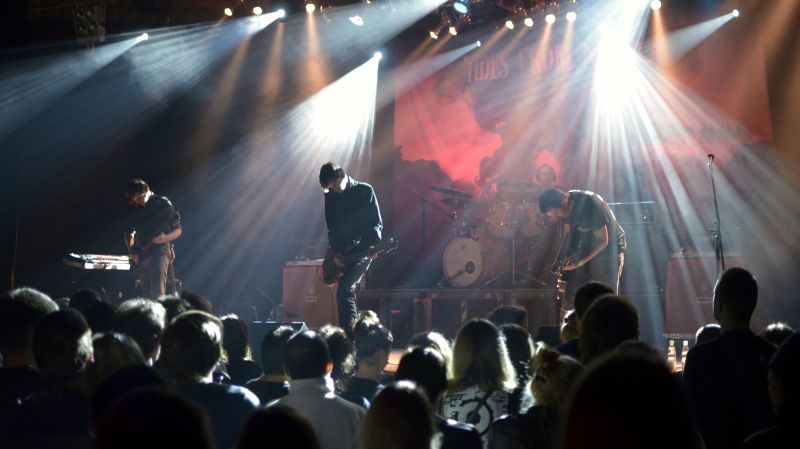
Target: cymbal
column 451, row 192
column 454, row 202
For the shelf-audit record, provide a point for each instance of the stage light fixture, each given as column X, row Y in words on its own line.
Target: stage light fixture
column 461, row 6
column 378, row 55
column 452, row 30
column 509, row 24
column 735, row 13
column 478, row 43
column 144, row 36
column 528, row 22
column 550, row 18
column 257, row 10
column 655, row 5
column 310, row 7
column 571, row 16
column 281, row 13
column 433, row 34
column 356, row 20
column 228, row 12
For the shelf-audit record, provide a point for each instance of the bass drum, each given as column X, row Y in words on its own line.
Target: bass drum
column 468, row 262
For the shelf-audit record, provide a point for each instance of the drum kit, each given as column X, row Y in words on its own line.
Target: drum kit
column 488, row 235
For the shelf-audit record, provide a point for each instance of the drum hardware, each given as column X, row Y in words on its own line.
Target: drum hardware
column 452, row 192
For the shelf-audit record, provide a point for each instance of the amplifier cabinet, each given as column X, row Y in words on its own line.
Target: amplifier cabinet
column 305, row 297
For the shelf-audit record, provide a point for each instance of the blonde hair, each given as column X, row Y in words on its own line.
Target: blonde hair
column 480, row 359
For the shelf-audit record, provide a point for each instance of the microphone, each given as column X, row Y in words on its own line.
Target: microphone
column 709, row 158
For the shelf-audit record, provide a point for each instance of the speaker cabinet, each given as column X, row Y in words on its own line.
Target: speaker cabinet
column 306, row 298
column 690, row 289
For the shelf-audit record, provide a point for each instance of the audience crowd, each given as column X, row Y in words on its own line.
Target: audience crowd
column 82, row 373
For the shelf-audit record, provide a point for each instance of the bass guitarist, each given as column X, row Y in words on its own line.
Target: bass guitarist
column 354, row 224
column 153, row 223
column 593, row 243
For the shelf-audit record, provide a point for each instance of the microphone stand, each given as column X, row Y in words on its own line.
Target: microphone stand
column 718, row 249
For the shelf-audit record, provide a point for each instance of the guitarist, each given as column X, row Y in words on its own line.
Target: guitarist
column 593, row 243
column 354, row 224
column 153, row 225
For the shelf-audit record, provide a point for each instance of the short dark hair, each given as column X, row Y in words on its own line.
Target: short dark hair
column 62, row 346
column 234, row 338
column 306, row 356
column 191, row 346
column 785, row 365
column 100, row 316
column 551, row 199
column 776, row 333
column 143, row 320
column 587, row 293
column 520, row 349
column 21, row 310
column 197, row 301
column 135, row 186
column 372, row 338
column 427, row 368
column 707, row 332
column 174, row 306
column 277, row 426
column 273, row 347
column 82, row 299
column 341, row 351
column 737, row 291
column 330, row 172
column 508, row 314
column 609, row 321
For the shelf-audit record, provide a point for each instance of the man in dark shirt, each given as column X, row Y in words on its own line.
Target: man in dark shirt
column 153, row 225
column 593, row 245
column 726, row 378
column 354, row 224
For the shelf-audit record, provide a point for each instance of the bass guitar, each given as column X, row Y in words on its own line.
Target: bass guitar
column 332, row 270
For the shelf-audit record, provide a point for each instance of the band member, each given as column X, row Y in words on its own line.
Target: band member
column 354, row 224
column 153, row 225
column 593, row 243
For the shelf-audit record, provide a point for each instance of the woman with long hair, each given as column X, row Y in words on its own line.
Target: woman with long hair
column 483, row 377
column 400, row 417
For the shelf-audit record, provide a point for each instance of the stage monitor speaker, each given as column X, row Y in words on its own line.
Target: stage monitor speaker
column 256, row 331
column 305, row 297
column 689, row 293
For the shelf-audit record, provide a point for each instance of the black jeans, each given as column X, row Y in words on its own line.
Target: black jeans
column 605, row 267
column 346, row 294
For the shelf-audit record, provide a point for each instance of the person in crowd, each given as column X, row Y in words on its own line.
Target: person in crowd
column 483, row 377
column 58, row 414
column 335, row 420
column 784, row 392
column 197, row 301
column 554, row 376
column 399, row 418
column 569, row 327
column 628, row 401
column 144, row 321
column 726, row 378
column 21, row 310
column 509, row 314
column 83, row 299
column 191, row 349
column 154, row 419
column 776, row 333
column 277, row 426
column 706, row 333
column 520, row 351
column 119, row 385
column 274, row 383
column 427, row 368
column 584, row 297
column 100, row 316
column 437, row 342
column 240, row 367
column 373, row 345
column 174, row 306
column 112, row 352
column 343, row 355
column 608, row 322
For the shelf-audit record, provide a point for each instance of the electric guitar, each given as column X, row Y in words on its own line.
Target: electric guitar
column 332, row 271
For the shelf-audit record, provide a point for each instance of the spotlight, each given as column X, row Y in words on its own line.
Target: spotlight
column 144, row 36
column 433, row 34
column 655, row 5
column 257, row 10
column 571, row 16
column 453, row 30
column 478, row 43
column 310, row 7
column 528, row 22
column 378, row 55
column 509, row 24
column 228, row 12
column 735, row 13
column 281, row 13
column 461, row 6
column 356, row 20
column 550, row 18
